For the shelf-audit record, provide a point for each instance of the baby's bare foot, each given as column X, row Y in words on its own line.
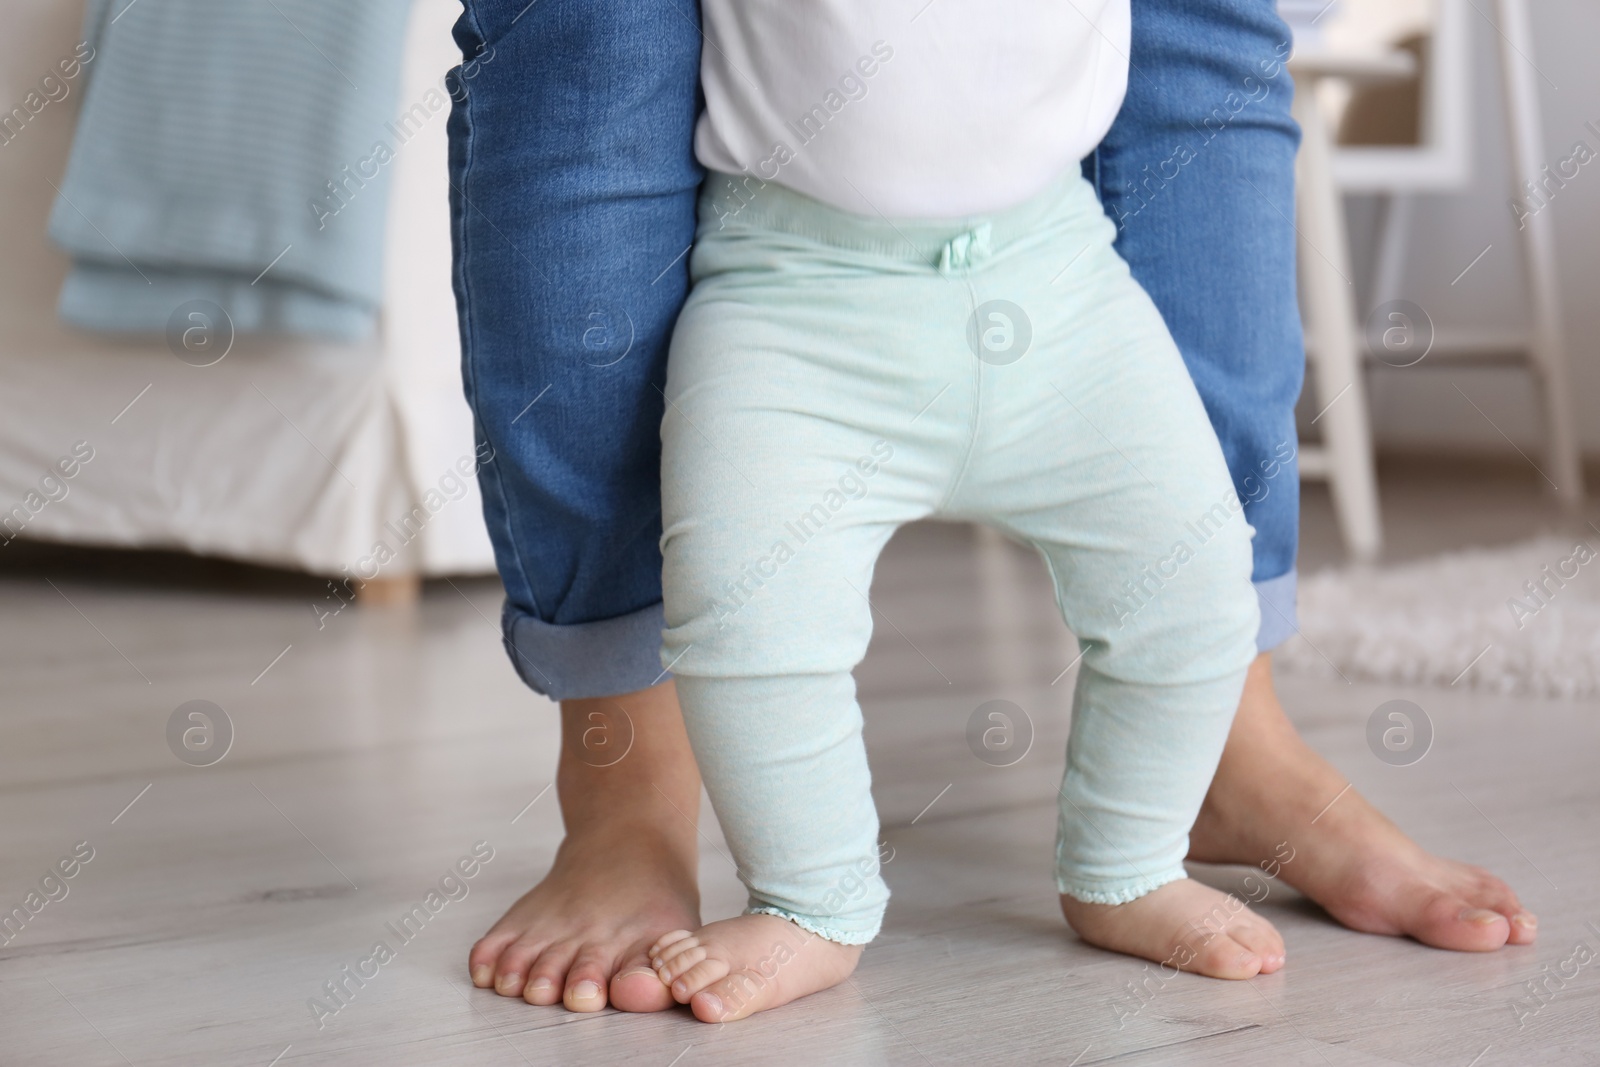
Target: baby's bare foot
column 733, row 968
column 624, row 874
column 1183, row 925
column 1273, row 803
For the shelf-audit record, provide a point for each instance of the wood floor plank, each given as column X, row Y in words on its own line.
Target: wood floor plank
column 372, row 752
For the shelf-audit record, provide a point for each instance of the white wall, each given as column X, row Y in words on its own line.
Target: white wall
column 1418, row 408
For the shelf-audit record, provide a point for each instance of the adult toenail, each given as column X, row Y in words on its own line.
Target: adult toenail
column 482, row 975
column 585, row 990
column 542, row 983
column 1481, row 916
column 1526, row 921
column 506, row 982
column 637, row 970
column 714, row 1003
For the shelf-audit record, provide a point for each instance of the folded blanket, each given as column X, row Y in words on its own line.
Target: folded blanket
column 234, row 152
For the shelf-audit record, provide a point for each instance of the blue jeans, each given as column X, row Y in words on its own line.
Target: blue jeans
column 1198, row 173
column 573, row 190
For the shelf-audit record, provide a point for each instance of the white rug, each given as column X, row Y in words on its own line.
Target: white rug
column 1523, row 619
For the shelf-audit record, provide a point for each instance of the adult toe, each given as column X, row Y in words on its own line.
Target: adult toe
column 1449, row 920
column 587, row 980
column 547, row 975
column 636, row 987
column 483, row 962
column 511, row 969
column 1490, row 893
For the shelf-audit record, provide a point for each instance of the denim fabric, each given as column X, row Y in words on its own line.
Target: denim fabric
column 573, row 190
column 572, row 205
column 1198, row 174
column 835, row 376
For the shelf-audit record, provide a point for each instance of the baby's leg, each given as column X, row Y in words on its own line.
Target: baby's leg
column 784, row 763
column 786, row 467
column 1096, row 448
column 764, row 628
column 1152, row 710
column 1166, row 618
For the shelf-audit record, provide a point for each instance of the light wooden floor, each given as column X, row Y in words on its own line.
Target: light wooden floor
column 370, row 755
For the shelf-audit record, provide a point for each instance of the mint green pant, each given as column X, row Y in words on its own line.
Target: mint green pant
column 833, row 377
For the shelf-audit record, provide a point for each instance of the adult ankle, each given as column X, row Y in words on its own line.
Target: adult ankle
column 626, row 759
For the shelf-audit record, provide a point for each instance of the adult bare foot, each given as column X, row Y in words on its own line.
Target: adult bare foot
column 736, row 967
column 623, row 876
column 1271, row 788
column 1184, row 925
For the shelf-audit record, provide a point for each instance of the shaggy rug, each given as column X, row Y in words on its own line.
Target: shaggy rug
column 1523, row 619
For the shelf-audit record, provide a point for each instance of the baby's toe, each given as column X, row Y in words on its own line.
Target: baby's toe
column 678, row 963
column 696, row 978
column 665, row 941
column 1262, row 938
column 1220, row 956
column 734, row 997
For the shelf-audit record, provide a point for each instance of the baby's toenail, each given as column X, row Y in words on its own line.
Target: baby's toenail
column 1526, row 921
column 1481, row 916
column 680, row 989
column 585, row 990
column 713, row 1003
column 482, row 975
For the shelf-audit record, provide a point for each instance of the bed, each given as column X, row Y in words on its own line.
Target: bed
column 334, row 459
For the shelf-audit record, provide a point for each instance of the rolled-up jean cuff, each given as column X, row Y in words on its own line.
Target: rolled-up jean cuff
column 587, row 659
column 1278, row 619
